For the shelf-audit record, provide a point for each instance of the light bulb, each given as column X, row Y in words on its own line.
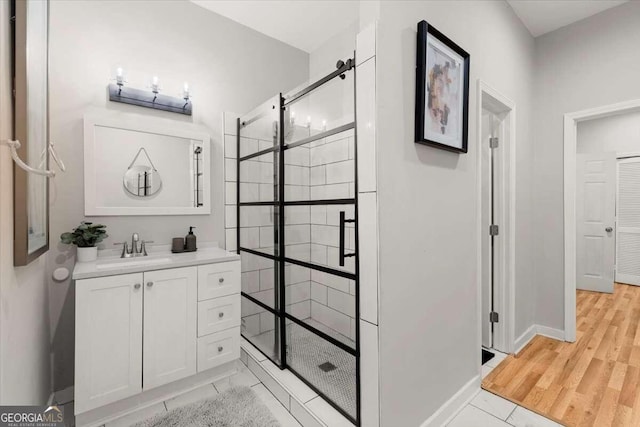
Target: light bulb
column 119, row 76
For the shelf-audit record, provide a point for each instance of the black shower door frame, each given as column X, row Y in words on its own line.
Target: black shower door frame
column 280, row 257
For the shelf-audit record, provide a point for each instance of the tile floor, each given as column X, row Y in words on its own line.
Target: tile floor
column 485, row 410
column 488, row 410
column 244, row 377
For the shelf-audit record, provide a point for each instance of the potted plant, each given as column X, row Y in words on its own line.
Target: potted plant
column 86, row 236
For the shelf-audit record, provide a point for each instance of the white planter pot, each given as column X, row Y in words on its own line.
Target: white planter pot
column 87, row 254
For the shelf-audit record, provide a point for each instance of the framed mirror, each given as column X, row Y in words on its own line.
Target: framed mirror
column 31, row 128
column 141, row 166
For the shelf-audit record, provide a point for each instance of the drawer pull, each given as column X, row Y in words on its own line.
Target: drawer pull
column 149, row 284
column 221, row 314
column 136, row 286
column 221, row 280
column 220, row 348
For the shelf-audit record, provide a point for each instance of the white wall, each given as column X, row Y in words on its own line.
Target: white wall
column 427, row 207
column 24, row 325
column 230, row 68
column 589, row 64
column 620, row 134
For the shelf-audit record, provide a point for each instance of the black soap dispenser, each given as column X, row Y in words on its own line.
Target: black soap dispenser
column 190, row 241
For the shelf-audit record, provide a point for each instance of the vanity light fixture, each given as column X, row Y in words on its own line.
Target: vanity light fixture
column 153, row 99
column 309, row 122
column 324, row 125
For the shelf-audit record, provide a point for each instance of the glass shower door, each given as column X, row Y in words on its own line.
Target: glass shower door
column 298, row 235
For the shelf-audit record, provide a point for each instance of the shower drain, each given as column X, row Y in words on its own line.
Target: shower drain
column 327, row 367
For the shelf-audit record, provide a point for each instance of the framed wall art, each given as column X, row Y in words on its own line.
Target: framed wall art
column 442, row 91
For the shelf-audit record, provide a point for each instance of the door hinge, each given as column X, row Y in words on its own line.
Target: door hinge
column 493, row 142
column 494, row 230
column 493, row 317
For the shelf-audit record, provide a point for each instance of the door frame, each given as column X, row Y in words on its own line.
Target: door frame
column 571, row 121
column 504, row 304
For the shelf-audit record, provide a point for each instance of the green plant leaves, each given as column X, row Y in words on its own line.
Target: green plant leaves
column 86, row 235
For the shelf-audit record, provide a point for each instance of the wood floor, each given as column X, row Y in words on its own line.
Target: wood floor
column 594, row 381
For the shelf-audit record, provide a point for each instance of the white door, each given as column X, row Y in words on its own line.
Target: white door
column 487, row 220
column 595, row 214
column 170, row 313
column 628, row 227
column 108, row 354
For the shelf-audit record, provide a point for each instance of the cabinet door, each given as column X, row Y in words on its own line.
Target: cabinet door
column 108, row 359
column 170, row 307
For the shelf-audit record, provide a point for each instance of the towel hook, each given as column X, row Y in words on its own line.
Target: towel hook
column 15, row 145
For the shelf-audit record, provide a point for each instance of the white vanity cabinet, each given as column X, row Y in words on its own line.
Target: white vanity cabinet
column 140, row 331
column 108, row 360
column 169, row 350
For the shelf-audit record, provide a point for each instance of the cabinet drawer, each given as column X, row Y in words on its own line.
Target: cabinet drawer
column 218, row 314
column 219, row 348
column 218, row 280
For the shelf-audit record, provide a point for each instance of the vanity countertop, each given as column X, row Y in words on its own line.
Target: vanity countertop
column 159, row 258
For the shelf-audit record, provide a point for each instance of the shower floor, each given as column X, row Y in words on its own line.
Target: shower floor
column 327, row 367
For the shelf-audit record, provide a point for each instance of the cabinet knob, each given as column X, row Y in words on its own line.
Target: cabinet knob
column 220, row 348
column 221, row 279
column 221, row 315
column 149, row 284
column 136, row 286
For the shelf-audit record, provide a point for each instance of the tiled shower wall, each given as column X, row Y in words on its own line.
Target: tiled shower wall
column 322, row 170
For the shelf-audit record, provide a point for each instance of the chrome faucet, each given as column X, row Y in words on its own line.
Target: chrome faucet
column 135, row 250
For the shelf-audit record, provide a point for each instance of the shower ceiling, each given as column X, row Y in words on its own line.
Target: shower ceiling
column 305, row 24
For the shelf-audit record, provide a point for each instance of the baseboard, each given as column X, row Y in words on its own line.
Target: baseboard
column 534, row 330
column 455, row 404
column 524, row 339
column 556, row 334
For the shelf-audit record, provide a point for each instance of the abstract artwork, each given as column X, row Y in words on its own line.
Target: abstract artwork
column 442, row 91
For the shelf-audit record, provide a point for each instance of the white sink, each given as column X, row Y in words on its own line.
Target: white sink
column 135, row 262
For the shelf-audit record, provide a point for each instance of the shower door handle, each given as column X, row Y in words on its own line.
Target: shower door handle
column 342, row 255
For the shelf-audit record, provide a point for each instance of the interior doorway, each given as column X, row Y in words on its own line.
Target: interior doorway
column 496, row 181
column 591, row 182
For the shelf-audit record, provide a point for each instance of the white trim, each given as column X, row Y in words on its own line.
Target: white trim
column 534, row 330
column 455, row 404
column 504, row 334
column 571, row 121
column 148, row 125
column 524, row 339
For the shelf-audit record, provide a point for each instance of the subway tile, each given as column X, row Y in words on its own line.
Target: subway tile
column 333, row 214
column 319, row 254
column 333, row 260
column 230, row 170
column 342, row 302
column 296, row 175
column 325, row 235
column 300, row 252
column 243, row 357
column 279, row 412
column 230, row 123
column 300, row 310
column 296, row 274
column 332, row 191
column 296, row 192
column 304, row 416
column 318, row 214
column 266, row 322
column 329, row 153
column 327, row 414
column 230, row 146
column 267, row 277
column 251, row 324
column 266, row 237
column 298, row 292
column 366, row 110
column 319, row 293
column 298, row 234
column 250, row 237
column 231, row 239
column 249, row 192
column 249, row 262
column 335, row 282
column 252, row 352
column 297, row 215
column 318, row 175
column 230, row 219
column 335, row 320
column 340, row 172
column 250, row 282
column 243, row 378
column 290, row 382
column 248, row 146
column 230, row 193
column 298, row 156
column 266, row 192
